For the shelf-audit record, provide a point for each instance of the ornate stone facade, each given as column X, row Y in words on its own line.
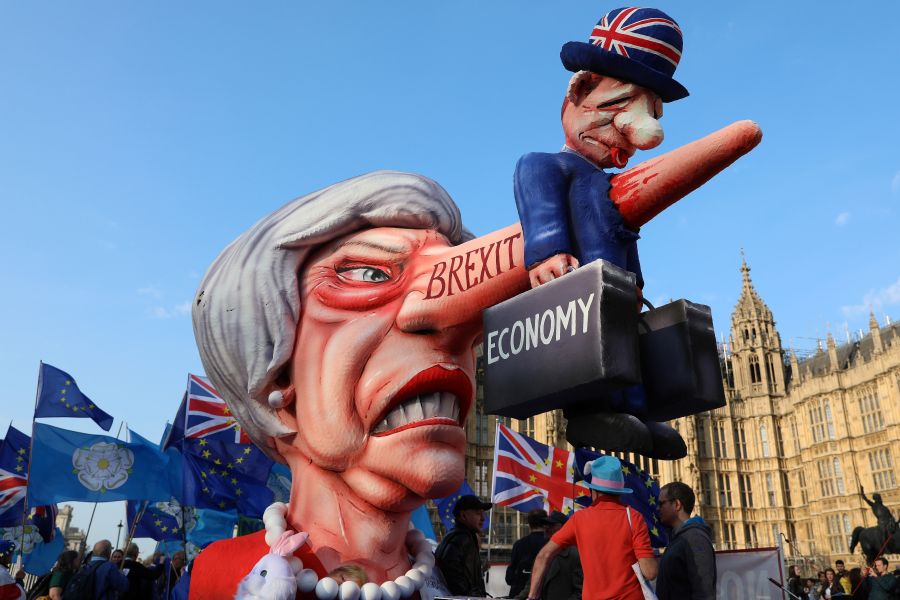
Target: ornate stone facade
column 74, row 537
column 788, row 453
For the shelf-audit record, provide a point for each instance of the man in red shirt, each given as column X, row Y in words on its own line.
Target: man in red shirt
column 608, row 541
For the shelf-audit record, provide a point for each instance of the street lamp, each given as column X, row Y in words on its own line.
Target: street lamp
column 119, row 535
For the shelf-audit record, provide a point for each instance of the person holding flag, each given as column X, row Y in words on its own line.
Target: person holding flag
column 610, row 538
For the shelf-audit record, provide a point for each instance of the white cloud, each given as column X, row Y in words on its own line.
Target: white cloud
column 842, row 219
column 895, row 182
column 179, row 310
column 886, row 296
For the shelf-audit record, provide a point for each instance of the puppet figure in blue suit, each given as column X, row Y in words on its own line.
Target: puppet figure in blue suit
column 613, row 104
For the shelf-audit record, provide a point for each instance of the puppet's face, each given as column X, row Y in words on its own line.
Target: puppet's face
column 381, row 399
column 608, row 123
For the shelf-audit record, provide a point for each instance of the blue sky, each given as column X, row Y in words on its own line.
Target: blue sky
column 138, row 139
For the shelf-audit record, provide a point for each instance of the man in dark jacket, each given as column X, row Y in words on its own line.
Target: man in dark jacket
column 140, row 578
column 524, row 551
column 109, row 582
column 687, row 569
column 458, row 556
column 882, row 584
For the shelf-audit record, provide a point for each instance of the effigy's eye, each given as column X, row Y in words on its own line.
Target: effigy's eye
column 364, row 274
column 263, row 573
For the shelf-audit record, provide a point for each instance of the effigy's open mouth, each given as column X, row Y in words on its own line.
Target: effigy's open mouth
column 436, row 396
column 436, row 408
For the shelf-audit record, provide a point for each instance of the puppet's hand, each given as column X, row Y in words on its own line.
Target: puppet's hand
column 551, row 268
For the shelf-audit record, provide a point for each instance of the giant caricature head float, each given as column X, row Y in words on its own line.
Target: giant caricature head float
column 623, row 74
column 297, row 325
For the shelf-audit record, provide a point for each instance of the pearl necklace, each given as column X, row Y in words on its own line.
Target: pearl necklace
column 328, row 589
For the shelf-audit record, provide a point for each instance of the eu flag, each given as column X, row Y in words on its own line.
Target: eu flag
column 644, row 497
column 445, row 506
column 67, row 465
column 13, row 476
column 171, row 521
column 59, row 396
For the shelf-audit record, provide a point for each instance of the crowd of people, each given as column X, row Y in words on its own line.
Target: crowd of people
column 107, row 574
column 602, row 551
column 877, row 582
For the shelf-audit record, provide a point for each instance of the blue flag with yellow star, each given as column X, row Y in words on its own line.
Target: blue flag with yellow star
column 223, row 470
column 445, row 507
column 14, row 451
column 68, row 465
column 170, row 521
column 59, row 396
column 644, row 498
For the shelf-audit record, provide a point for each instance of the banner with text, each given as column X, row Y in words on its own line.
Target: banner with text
column 744, row 574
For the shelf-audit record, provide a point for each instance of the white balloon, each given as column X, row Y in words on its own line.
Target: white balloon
column 390, row 591
column 423, row 569
column 416, row 577
column 307, row 580
column 370, row 591
column 276, row 509
column 326, row 589
column 296, row 564
column 348, row 591
column 272, row 534
column 406, row 586
column 413, row 537
column 423, row 546
column 425, row 558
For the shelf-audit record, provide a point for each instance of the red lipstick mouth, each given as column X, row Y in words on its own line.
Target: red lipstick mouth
column 435, row 396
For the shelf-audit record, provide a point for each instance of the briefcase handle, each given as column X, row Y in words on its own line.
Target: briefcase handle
column 642, row 326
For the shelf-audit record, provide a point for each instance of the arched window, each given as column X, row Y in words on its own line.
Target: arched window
column 829, row 422
column 754, row 369
column 838, row 475
column 764, row 439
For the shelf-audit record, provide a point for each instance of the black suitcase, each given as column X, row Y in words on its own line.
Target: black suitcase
column 680, row 365
column 570, row 340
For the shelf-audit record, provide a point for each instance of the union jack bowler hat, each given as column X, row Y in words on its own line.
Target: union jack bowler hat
column 604, row 474
column 641, row 45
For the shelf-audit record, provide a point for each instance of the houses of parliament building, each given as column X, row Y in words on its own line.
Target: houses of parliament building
column 787, row 454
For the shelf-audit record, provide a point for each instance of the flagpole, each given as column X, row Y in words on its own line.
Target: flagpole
column 137, row 517
column 493, row 484
column 37, row 395
column 183, row 530
column 94, row 510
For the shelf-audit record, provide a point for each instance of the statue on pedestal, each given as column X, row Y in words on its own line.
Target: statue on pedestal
column 878, row 540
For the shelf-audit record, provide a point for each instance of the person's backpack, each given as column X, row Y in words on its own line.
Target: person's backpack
column 83, row 585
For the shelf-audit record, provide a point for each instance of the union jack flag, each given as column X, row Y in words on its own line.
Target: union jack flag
column 642, row 30
column 12, row 489
column 14, row 451
column 529, row 475
column 207, row 413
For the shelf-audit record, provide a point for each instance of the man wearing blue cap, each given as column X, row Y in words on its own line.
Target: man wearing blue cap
column 623, row 75
column 610, row 539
